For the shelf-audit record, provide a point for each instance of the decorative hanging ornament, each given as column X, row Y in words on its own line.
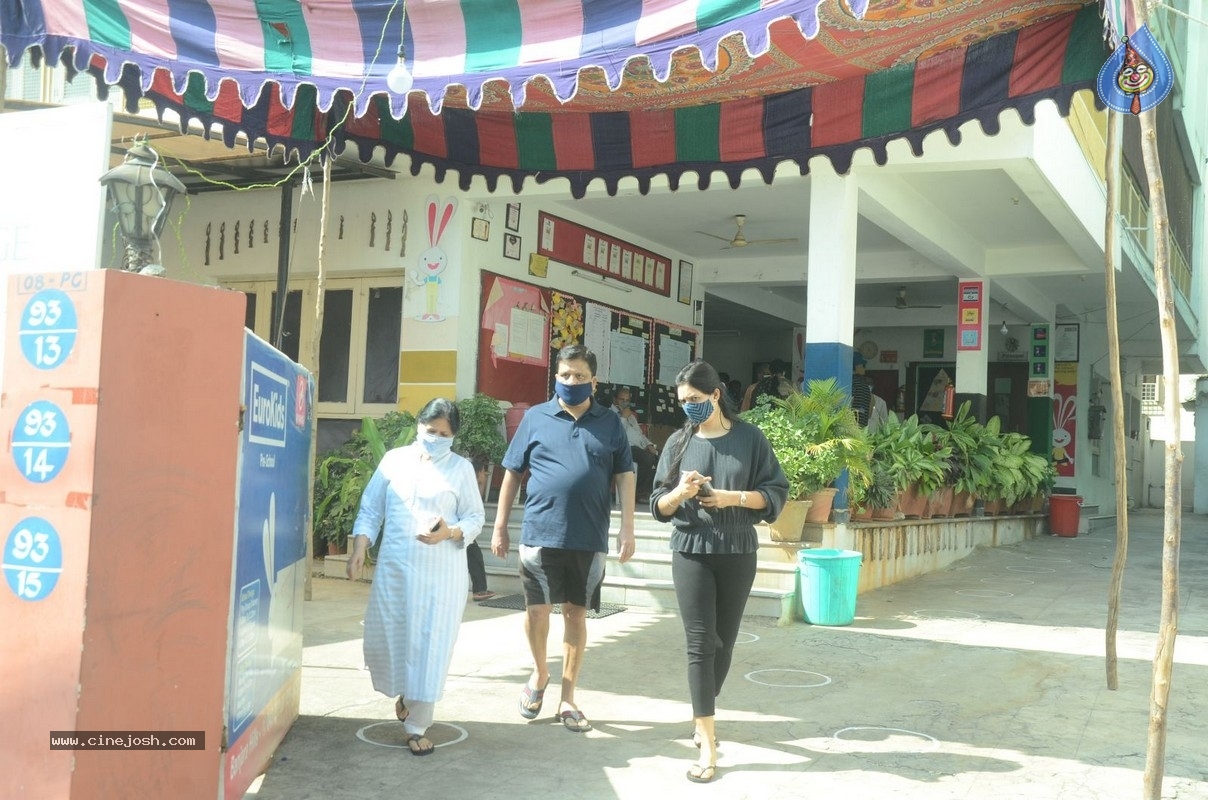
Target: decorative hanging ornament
column 1137, row 76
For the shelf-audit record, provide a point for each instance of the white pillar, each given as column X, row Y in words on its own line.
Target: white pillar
column 831, row 269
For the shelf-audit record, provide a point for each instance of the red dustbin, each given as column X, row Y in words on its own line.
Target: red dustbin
column 1064, row 510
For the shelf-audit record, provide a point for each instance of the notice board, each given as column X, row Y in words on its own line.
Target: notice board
column 674, row 347
column 593, row 251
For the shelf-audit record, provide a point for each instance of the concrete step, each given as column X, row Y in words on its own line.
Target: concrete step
column 659, row 595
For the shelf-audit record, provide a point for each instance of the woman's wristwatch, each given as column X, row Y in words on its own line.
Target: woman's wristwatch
column 742, row 498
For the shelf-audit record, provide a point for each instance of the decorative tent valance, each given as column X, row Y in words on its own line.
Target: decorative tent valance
column 652, row 87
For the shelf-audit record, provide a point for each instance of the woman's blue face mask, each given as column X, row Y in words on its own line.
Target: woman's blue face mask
column 698, row 412
column 435, row 446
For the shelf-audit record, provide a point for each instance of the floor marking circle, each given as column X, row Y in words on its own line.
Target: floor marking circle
column 1008, row 579
column 1027, row 568
column 987, row 593
column 944, row 613
column 464, row 734
column 825, row 680
column 752, row 640
column 837, row 736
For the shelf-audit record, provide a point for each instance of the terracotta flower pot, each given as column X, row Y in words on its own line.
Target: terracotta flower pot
column 822, row 501
column 962, row 504
column 911, row 502
column 789, row 526
column 861, row 514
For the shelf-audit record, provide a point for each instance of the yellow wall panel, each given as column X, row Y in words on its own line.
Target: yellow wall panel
column 413, row 396
column 427, row 366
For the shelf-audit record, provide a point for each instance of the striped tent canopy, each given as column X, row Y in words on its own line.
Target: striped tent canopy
column 577, row 89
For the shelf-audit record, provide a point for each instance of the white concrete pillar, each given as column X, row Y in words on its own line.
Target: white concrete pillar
column 831, row 271
column 1199, row 491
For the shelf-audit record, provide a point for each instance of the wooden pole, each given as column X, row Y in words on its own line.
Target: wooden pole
column 316, row 339
column 3, row 76
column 1110, row 240
column 1168, row 627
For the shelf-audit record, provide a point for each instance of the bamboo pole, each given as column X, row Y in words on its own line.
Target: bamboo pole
column 1112, row 173
column 316, row 338
column 1159, row 698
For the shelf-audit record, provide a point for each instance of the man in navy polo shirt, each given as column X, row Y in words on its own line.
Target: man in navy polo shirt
column 573, row 448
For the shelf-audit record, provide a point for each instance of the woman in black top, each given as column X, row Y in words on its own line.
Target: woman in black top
column 717, row 477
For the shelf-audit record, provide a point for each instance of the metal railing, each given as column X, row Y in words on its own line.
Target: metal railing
column 1134, row 210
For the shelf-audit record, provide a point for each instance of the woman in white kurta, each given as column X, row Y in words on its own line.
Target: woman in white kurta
column 424, row 499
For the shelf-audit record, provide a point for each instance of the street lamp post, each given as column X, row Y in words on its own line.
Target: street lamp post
column 140, row 194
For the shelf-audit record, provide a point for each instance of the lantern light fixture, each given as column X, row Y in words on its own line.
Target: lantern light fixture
column 140, row 195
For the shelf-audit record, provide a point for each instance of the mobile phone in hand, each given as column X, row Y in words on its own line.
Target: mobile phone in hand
column 705, row 490
column 435, row 527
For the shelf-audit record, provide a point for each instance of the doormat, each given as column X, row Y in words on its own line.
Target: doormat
column 515, row 602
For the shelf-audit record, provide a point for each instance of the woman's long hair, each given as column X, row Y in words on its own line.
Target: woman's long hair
column 702, row 377
column 440, row 408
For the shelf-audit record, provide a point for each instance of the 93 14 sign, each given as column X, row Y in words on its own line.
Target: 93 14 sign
column 41, row 441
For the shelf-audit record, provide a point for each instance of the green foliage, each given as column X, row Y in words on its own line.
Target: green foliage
column 880, row 492
column 815, row 436
column 341, row 476
column 911, row 453
column 481, row 437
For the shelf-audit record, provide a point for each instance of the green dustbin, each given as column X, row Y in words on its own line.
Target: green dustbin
column 829, row 581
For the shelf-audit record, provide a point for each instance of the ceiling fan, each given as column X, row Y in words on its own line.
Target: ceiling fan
column 900, row 302
column 739, row 240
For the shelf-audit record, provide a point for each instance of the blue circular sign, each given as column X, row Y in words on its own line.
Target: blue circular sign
column 41, row 441
column 33, row 559
column 48, row 328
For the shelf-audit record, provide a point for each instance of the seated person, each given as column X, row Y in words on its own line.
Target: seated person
column 645, row 453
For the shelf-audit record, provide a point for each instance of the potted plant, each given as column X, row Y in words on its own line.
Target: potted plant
column 915, row 456
column 838, row 441
column 481, row 437
column 817, row 435
column 974, row 449
column 341, row 476
column 788, row 436
column 877, row 499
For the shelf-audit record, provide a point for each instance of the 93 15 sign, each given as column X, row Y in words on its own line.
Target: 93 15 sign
column 33, row 559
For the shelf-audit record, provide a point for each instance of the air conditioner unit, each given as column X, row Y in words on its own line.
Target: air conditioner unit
column 1151, row 394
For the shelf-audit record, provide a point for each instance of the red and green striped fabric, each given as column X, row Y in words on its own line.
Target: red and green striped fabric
column 1049, row 60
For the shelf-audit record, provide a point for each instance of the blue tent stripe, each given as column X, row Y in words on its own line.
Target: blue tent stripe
column 610, row 138
column 28, row 19
column 461, row 135
column 375, row 31
column 987, row 75
column 611, row 23
column 784, row 133
column 193, row 25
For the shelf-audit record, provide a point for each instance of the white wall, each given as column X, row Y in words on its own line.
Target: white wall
column 355, row 202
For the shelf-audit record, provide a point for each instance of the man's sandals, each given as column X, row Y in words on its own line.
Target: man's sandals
column 574, row 721
column 698, row 774
column 531, row 700
column 415, row 743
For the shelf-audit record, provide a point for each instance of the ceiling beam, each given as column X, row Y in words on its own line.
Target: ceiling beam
column 904, row 213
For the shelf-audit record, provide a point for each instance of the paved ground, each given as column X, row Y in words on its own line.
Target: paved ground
column 983, row 681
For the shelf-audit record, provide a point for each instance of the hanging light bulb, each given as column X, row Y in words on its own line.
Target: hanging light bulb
column 1004, row 330
column 399, row 80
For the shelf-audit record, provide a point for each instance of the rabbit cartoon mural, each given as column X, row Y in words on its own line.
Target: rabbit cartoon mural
column 1064, row 415
column 434, row 261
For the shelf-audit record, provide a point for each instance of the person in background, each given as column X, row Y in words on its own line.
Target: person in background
column 573, row 449
column 645, row 452
column 717, row 477
column 861, row 390
column 734, row 388
column 748, row 400
column 423, row 501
